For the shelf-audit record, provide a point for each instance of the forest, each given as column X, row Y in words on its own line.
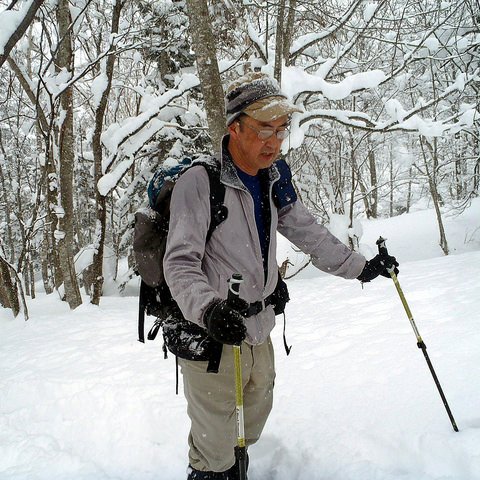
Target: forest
column 96, row 94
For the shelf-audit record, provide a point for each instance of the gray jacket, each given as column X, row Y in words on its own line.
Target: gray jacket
column 197, row 272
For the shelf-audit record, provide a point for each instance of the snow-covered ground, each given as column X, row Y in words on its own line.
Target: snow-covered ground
column 82, row 399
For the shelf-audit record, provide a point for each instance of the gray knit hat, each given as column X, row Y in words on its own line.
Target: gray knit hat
column 259, row 96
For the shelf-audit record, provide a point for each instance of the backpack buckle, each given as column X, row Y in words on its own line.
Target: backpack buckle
column 255, row 308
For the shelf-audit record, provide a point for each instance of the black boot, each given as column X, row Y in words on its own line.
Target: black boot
column 198, row 475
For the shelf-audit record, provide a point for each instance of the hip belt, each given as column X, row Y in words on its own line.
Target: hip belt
column 256, row 307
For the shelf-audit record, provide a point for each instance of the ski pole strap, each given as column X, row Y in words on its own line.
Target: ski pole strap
column 215, row 357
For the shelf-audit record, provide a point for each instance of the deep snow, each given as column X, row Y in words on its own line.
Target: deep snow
column 82, row 399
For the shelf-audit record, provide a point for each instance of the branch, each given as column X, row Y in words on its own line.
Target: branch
column 27, row 87
column 20, row 30
column 306, row 41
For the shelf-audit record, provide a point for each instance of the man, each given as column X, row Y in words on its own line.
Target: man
column 260, row 200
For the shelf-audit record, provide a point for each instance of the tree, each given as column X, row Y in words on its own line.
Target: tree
column 389, row 92
column 105, row 75
column 66, row 157
column 207, row 65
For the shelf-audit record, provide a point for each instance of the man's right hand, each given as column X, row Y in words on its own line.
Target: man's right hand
column 225, row 322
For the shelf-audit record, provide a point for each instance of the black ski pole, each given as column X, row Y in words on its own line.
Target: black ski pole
column 382, row 250
column 240, row 449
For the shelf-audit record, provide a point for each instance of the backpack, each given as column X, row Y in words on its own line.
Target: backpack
column 149, row 244
column 183, row 338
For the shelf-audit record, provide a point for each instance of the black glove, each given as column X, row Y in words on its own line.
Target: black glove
column 224, row 321
column 378, row 265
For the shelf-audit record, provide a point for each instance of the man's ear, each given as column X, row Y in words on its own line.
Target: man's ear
column 234, row 128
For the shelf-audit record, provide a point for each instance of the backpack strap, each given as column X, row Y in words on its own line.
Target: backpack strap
column 218, row 211
column 141, row 312
column 218, row 214
column 283, row 191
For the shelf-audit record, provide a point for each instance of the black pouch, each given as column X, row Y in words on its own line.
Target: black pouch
column 280, row 297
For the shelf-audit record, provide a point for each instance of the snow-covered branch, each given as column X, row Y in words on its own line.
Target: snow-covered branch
column 13, row 24
column 124, row 140
column 308, row 40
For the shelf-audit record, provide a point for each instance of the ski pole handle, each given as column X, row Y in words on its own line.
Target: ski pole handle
column 382, row 248
column 234, row 287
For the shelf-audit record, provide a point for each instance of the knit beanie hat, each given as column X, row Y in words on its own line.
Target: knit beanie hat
column 259, row 96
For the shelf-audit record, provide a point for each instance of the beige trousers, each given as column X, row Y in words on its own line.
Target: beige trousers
column 211, row 404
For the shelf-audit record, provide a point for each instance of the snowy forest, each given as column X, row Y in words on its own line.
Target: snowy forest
column 96, row 94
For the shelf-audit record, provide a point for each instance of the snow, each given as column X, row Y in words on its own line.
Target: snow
column 83, row 400
column 296, row 80
column 99, row 85
column 369, row 12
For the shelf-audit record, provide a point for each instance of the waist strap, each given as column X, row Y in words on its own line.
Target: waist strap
column 256, row 307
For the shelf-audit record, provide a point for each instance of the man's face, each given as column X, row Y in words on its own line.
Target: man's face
column 248, row 147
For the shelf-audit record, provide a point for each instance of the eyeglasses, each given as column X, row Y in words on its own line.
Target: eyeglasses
column 266, row 133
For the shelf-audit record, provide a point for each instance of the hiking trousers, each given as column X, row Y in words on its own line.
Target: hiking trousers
column 211, row 404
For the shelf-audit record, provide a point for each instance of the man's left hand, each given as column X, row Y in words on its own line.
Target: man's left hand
column 378, row 265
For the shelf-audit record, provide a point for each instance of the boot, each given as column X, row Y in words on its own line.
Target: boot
column 198, row 475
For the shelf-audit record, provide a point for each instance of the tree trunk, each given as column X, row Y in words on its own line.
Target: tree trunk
column 434, row 191
column 32, row 280
column 9, row 244
column 8, row 290
column 287, row 39
column 391, row 182
column 277, row 70
column 66, row 161
column 48, row 277
column 101, row 204
column 203, row 42
column 409, row 191
column 373, row 184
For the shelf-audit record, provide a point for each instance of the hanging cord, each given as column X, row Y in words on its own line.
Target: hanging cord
column 287, row 348
column 176, row 375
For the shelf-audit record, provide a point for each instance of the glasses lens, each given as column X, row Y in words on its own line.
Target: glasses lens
column 264, row 134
